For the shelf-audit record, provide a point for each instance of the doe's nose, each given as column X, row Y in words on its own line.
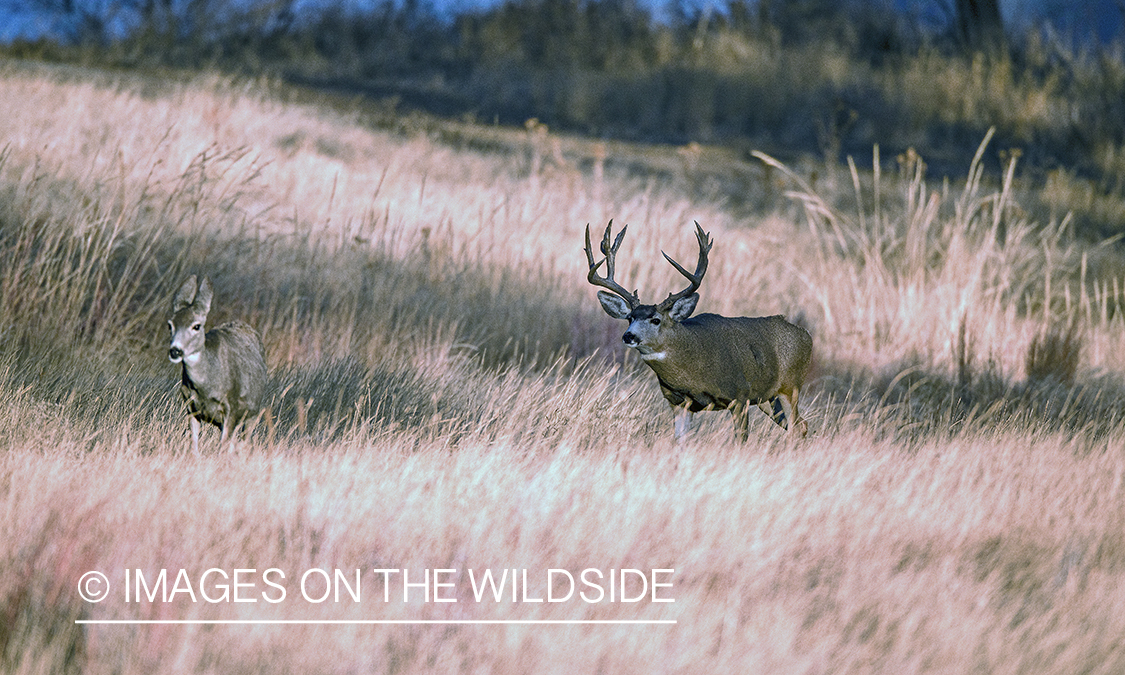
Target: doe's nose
column 175, row 353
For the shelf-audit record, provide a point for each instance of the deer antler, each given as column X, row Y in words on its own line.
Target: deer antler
column 610, row 253
column 700, row 268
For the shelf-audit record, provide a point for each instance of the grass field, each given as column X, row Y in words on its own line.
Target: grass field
column 446, row 394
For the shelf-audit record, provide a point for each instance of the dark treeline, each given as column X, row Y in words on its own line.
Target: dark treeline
column 411, row 38
column 820, row 77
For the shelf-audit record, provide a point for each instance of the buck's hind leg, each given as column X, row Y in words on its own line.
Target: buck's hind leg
column 799, row 424
column 774, row 410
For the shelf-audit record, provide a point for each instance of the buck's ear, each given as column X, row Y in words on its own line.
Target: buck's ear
column 614, row 305
column 682, row 308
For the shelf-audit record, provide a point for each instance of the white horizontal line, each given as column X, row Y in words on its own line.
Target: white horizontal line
column 374, row 621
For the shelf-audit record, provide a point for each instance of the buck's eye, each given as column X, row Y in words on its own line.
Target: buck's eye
column 655, row 321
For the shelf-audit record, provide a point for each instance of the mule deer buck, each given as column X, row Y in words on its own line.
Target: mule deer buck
column 224, row 374
column 708, row 361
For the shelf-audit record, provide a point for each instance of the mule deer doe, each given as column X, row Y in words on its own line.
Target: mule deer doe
column 224, row 374
column 708, row 361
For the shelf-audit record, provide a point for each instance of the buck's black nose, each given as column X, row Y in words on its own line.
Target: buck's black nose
column 629, row 339
column 175, row 353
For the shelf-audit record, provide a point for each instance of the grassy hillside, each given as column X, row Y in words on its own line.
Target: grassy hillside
column 446, row 393
column 798, row 78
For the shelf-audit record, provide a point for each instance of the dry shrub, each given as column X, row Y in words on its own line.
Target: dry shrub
column 1054, row 354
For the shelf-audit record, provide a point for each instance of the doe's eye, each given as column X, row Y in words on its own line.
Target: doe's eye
column 196, row 326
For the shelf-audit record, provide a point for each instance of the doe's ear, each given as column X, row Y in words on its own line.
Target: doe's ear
column 682, row 308
column 203, row 299
column 614, row 306
column 185, row 296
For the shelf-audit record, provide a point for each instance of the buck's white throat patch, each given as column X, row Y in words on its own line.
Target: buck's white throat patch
column 654, row 356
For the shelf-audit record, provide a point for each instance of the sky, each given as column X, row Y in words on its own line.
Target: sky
column 1103, row 18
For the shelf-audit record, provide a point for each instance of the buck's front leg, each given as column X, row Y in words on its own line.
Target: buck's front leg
column 681, row 411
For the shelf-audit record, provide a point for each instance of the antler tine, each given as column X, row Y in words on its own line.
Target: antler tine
column 590, row 251
column 696, row 279
column 610, row 253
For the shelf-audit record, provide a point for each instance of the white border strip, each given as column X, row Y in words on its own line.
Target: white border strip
column 374, row 621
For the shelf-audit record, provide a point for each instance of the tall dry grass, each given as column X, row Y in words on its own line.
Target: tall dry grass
column 447, row 394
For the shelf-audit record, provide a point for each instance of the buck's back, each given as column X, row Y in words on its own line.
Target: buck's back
column 734, row 357
column 791, row 345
